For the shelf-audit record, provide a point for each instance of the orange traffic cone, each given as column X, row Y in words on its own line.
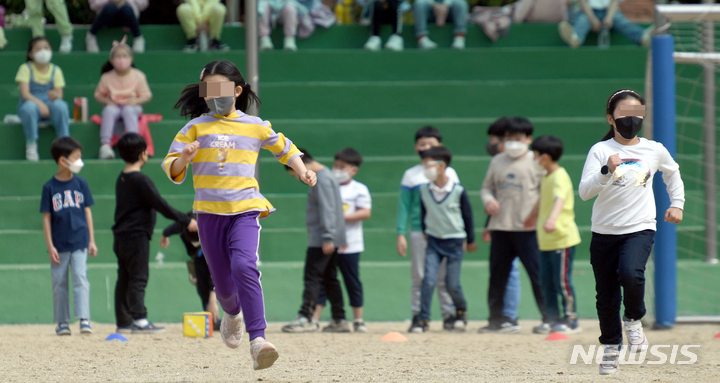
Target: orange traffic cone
column 557, row 336
column 394, row 336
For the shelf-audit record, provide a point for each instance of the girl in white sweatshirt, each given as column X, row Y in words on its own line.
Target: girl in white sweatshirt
column 619, row 170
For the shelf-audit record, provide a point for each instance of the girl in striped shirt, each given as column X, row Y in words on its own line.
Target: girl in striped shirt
column 222, row 143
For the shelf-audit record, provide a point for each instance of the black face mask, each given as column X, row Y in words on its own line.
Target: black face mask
column 628, row 127
column 492, row 149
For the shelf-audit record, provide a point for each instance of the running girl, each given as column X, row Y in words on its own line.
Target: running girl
column 223, row 143
column 619, row 170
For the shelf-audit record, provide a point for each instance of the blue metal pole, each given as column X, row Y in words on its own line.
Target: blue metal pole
column 663, row 76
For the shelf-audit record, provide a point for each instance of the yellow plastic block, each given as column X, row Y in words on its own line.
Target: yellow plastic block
column 198, row 324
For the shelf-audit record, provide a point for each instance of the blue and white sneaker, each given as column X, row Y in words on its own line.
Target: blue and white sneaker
column 544, row 328
column 149, row 328
column 85, row 327
column 62, row 329
column 567, row 328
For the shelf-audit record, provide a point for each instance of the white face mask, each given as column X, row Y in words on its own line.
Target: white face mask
column 431, row 173
column 515, row 149
column 43, row 56
column 341, row 176
column 76, row 166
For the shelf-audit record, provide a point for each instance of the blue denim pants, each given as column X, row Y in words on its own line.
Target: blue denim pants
column 423, row 12
column 620, row 23
column 437, row 250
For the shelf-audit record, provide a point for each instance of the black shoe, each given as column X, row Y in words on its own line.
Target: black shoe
column 215, row 44
column 191, row 46
column 449, row 322
column 419, row 326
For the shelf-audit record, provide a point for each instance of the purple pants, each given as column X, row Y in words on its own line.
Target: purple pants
column 230, row 244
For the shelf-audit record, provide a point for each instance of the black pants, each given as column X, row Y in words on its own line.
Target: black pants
column 505, row 246
column 204, row 280
column 619, row 261
column 321, row 270
column 386, row 12
column 133, row 254
column 112, row 16
column 349, row 265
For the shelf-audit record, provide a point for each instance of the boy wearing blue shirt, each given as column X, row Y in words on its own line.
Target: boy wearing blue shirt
column 69, row 234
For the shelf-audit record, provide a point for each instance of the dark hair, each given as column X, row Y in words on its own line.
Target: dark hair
column 190, row 102
column 549, row 145
column 130, row 147
column 519, row 125
column 499, row 127
column 438, row 153
column 615, row 98
column 32, row 43
column 63, row 147
column 428, row 132
column 350, row 156
column 306, row 158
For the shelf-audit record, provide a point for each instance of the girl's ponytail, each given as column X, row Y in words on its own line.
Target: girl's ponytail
column 247, row 98
column 190, row 103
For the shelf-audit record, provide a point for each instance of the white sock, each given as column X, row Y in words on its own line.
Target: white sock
column 358, row 320
column 140, row 322
column 258, row 339
column 236, row 317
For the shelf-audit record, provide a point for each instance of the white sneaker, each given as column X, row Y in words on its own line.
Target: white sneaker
column 635, row 336
column 458, row 43
column 106, row 152
column 266, row 44
column 91, row 44
column 31, row 152
column 395, row 43
column 66, row 43
column 139, row 44
column 567, row 33
column 263, row 353
column 426, row 43
column 231, row 330
column 289, row 43
column 610, row 364
column 374, row 44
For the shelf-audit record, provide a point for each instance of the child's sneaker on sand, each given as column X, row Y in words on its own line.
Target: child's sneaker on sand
column 62, row 329
column 360, row 327
column 337, row 325
column 610, row 364
column 148, row 328
column 231, row 329
column 301, row 324
column 544, row 328
column 85, row 327
column 418, row 326
column 263, row 353
column 635, row 336
column 567, row 328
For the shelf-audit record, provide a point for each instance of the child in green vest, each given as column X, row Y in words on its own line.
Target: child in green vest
column 446, row 217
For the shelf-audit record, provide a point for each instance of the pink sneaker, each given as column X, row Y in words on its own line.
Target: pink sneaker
column 263, row 353
column 231, row 330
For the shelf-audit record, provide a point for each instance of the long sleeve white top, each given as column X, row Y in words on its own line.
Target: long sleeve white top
column 625, row 201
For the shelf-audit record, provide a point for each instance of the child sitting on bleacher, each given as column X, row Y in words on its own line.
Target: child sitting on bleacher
column 123, row 90
column 298, row 17
column 41, row 86
column 598, row 15
column 202, row 17
column 116, row 13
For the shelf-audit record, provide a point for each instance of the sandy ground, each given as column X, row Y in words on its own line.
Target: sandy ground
column 34, row 353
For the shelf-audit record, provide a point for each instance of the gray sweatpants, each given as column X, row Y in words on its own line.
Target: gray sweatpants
column 81, row 287
column 417, row 261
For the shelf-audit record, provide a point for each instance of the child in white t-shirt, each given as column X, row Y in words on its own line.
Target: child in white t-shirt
column 357, row 206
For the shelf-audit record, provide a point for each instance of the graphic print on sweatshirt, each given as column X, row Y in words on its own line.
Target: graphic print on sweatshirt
column 631, row 172
column 223, row 145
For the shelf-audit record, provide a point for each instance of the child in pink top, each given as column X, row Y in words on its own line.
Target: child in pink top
column 123, row 90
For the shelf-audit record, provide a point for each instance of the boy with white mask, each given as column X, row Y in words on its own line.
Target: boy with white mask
column 69, row 234
column 41, row 86
column 357, row 207
column 510, row 191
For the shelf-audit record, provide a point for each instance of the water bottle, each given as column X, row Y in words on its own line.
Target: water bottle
column 604, row 38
